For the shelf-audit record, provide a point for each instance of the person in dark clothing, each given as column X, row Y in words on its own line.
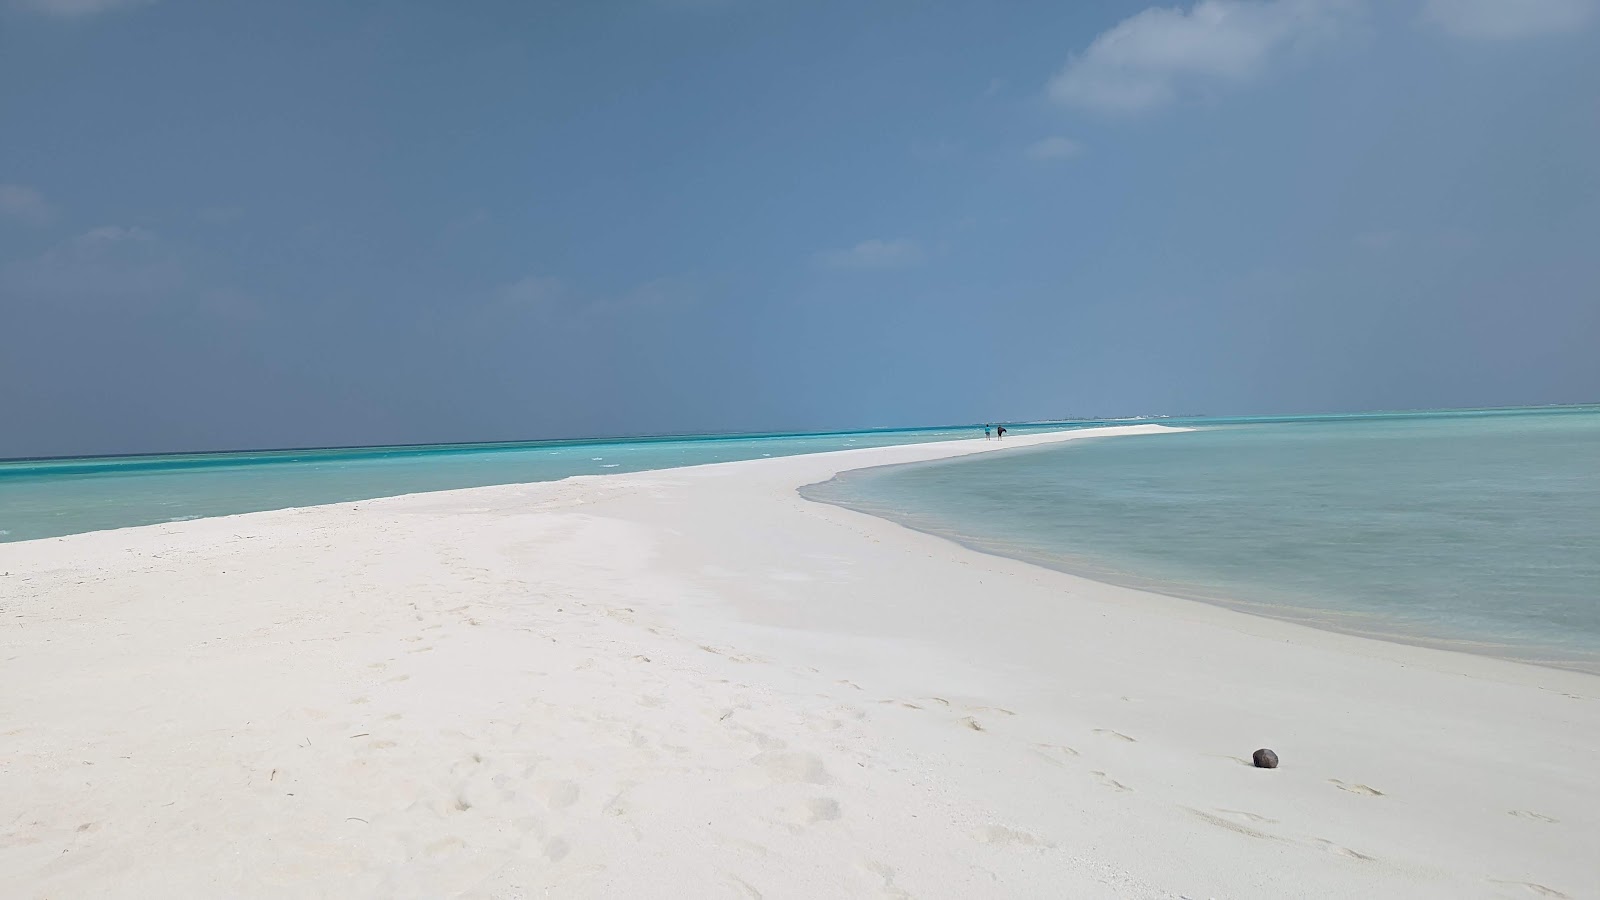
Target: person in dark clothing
column 999, row 431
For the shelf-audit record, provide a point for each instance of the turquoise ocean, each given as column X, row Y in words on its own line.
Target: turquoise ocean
column 1477, row 530
column 52, row 497
column 1473, row 530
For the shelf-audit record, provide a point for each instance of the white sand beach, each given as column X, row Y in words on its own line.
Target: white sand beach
column 696, row 683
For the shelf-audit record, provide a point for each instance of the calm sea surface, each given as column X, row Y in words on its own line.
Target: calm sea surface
column 52, row 497
column 1475, row 530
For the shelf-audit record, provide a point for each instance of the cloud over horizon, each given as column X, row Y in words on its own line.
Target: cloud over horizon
column 1385, row 203
column 1053, row 148
column 1504, row 20
column 532, row 292
column 77, row 9
column 24, row 204
column 896, row 253
column 1148, row 60
column 548, row 295
column 107, row 263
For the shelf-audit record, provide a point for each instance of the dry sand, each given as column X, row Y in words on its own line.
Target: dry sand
column 694, row 683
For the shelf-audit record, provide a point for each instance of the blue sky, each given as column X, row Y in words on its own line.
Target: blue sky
column 229, row 224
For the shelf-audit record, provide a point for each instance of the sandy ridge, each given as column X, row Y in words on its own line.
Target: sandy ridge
column 695, row 683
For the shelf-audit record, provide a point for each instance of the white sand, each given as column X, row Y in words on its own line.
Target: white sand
column 694, row 683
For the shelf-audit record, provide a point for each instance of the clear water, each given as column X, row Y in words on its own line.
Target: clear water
column 1478, row 530
column 52, row 497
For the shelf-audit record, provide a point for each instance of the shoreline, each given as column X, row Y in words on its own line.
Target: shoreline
column 1309, row 617
column 697, row 677
column 56, row 498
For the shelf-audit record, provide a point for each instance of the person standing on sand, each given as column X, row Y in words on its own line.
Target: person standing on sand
column 986, row 431
column 999, row 432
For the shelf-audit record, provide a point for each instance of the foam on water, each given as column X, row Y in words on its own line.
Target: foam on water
column 1477, row 531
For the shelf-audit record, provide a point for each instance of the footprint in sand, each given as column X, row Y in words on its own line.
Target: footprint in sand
column 971, row 723
column 1000, row 835
column 822, row 809
column 558, row 794
column 1338, row 850
column 1361, row 789
column 1229, row 825
column 886, row 873
column 1537, row 817
column 1535, row 889
column 791, row 767
column 1106, row 732
column 1248, row 816
column 1056, row 754
column 444, row 845
column 1107, row 781
column 810, row 812
column 620, row 805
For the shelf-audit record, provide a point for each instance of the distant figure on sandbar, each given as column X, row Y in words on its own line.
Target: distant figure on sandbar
column 999, row 432
column 986, row 430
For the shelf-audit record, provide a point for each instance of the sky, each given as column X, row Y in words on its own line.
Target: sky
column 229, row 224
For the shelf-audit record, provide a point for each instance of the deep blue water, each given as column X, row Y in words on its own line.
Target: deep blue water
column 1476, row 530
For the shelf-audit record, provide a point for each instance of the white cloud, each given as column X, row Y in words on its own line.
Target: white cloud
column 21, row 203
column 658, row 293
column 532, row 292
column 1145, row 60
column 1052, row 148
column 897, row 253
column 106, row 263
column 78, row 9
column 553, row 302
column 1507, row 19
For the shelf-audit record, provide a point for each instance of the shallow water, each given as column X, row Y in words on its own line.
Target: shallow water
column 1479, row 531
column 53, row 497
